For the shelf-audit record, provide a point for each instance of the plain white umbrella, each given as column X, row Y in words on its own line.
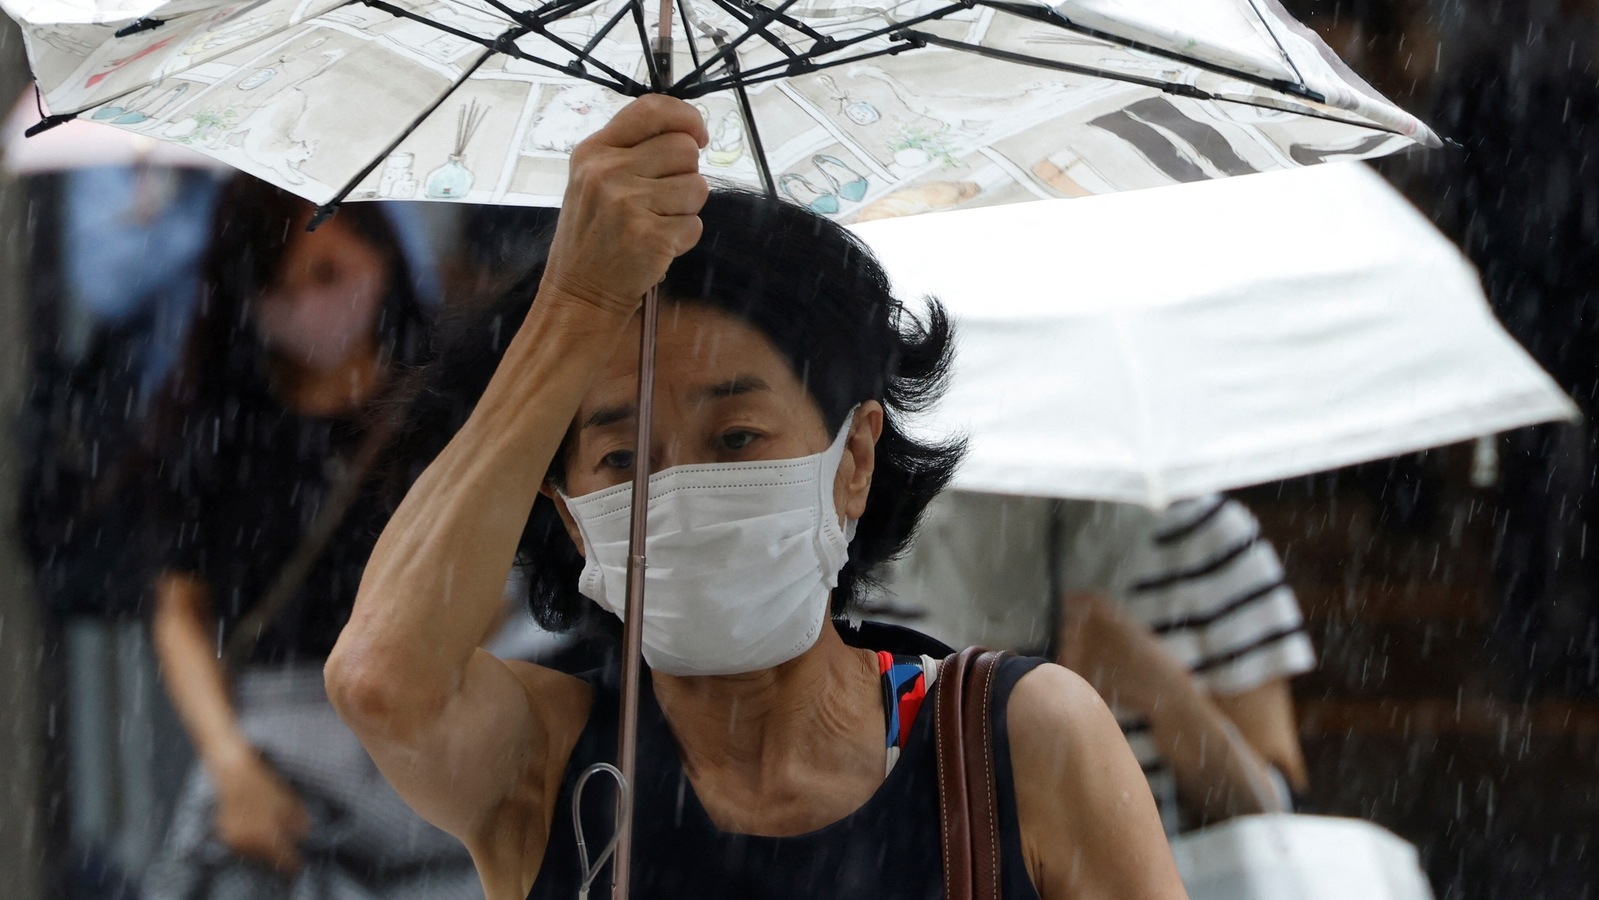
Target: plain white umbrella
column 1156, row 345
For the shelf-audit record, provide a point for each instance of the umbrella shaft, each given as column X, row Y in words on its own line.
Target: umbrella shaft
column 661, row 53
column 633, row 613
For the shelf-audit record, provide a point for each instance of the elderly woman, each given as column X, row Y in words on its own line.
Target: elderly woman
column 783, row 475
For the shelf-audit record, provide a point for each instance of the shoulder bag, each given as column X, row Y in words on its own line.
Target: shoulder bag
column 968, row 809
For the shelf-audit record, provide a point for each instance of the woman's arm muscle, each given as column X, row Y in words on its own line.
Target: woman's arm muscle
column 456, row 730
column 469, row 741
column 1088, row 823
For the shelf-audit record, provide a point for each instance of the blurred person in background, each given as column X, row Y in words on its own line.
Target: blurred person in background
column 260, row 440
column 113, row 264
column 1181, row 618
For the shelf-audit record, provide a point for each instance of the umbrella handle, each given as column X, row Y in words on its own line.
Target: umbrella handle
column 591, row 871
column 633, row 611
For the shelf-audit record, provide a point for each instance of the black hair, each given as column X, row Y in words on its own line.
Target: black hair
column 823, row 300
column 223, row 356
column 223, row 373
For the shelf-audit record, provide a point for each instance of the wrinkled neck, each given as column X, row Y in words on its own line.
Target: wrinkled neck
column 817, row 709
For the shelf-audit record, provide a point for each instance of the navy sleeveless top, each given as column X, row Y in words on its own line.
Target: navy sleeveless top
column 888, row 849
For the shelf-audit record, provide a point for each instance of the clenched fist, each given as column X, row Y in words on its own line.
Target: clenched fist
column 631, row 207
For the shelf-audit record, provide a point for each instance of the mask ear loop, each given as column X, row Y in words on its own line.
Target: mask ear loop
column 591, row 872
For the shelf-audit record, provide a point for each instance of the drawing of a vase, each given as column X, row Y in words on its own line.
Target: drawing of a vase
column 450, row 181
column 862, row 113
column 858, row 111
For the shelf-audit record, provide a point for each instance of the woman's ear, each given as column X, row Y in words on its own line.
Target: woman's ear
column 860, row 459
column 570, row 523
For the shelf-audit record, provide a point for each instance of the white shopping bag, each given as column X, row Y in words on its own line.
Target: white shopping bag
column 1281, row 856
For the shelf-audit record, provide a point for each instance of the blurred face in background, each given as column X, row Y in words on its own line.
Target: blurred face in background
column 321, row 309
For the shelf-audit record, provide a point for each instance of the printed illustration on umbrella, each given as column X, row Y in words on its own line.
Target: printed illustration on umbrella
column 858, row 111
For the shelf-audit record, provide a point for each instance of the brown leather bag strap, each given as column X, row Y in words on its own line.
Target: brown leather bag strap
column 968, row 806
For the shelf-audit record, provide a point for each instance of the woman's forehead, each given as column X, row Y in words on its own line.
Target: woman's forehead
column 702, row 354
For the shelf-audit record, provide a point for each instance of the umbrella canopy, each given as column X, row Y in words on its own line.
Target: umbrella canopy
column 483, row 101
column 82, row 145
column 1155, row 346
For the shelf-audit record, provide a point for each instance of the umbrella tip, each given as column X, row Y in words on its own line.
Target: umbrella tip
column 138, row 25
column 47, row 123
column 322, row 214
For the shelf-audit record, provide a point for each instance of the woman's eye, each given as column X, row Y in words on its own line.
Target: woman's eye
column 738, row 440
column 618, row 459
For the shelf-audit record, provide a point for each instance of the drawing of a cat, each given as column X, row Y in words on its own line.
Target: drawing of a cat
column 574, row 113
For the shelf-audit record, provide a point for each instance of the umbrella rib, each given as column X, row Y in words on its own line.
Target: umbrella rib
column 505, row 44
column 762, row 167
column 744, row 79
column 327, row 209
column 538, row 22
column 808, row 31
column 1050, row 17
column 605, row 31
column 760, row 23
column 647, row 51
column 1266, row 24
column 53, row 120
column 808, row 63
column 689, row 20
column 547, row 13
column 776, row 42
column 790, row 21
column 1182, row 90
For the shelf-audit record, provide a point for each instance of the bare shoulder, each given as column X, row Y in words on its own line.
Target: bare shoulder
column 509, row 848
column 1051, row 704
column 1088, row 822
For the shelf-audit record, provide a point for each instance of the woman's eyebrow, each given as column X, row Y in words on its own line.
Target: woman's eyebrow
column 733, row 387
column 736, row 386
column 609, row 415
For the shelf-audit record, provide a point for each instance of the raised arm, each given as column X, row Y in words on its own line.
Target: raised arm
column 463, row 736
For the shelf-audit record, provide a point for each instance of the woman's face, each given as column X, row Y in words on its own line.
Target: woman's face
column 323, row 305
column 723, row 393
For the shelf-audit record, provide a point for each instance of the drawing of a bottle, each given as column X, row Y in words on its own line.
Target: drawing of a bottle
column 727, row 141
column 858, row 111
column 453, row 180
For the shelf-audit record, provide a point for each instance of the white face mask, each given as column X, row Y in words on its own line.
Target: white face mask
column 741, row 558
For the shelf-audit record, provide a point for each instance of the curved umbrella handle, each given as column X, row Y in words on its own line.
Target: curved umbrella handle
column 591, row 871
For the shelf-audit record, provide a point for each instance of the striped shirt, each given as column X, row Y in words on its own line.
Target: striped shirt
column 985, row 567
